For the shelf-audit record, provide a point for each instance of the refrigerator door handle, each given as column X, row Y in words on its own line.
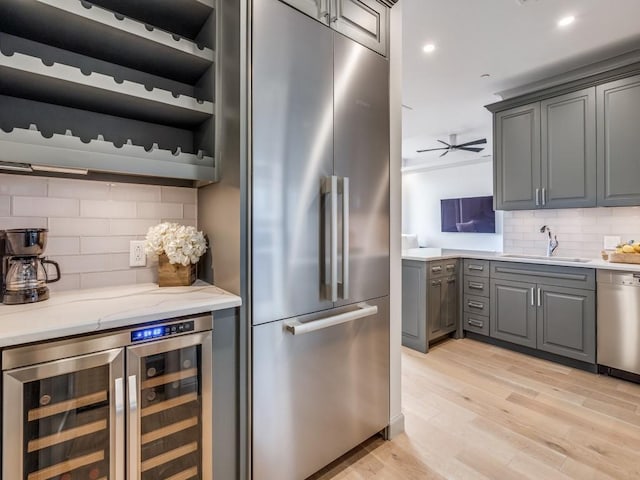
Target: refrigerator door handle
column 345, row 238
column 119, row 429
column 298, row 328
column 331, row 188
column 133, row 427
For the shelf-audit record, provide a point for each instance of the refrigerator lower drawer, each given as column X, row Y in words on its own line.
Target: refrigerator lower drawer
column 319, row 394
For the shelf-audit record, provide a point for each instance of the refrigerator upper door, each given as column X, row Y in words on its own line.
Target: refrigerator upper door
column 292, row 154
column 361, row 132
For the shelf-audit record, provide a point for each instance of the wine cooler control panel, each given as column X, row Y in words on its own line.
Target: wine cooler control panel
column 161, row 331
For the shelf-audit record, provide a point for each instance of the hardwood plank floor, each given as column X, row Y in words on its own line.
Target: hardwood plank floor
column 477, row 411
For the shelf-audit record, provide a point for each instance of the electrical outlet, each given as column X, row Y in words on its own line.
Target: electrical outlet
column 137, row 257
column 611, row 242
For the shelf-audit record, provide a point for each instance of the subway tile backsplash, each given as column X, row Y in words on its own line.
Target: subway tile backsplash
column 91, row 223
column 580, row 231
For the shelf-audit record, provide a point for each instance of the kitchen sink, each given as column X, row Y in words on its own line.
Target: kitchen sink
column 545, row 258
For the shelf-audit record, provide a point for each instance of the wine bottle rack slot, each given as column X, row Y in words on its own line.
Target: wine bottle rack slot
column 185, row 475
column 61, row 407
column 67, row 466
column 168, row 456
column 167, row 404
column 170, row 378
column 169, row 430
column 66, row 435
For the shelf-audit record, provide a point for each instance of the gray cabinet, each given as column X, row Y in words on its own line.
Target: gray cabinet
column 365, row 21
column 546, row 153
column 517, row 158
column 430, row 302
column 618, row 133
column 567, row 322
column 513, row 312
column 414, row 305
column 568, row 154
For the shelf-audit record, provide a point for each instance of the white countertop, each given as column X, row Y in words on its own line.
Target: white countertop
column 88, row 311
column 429, row 254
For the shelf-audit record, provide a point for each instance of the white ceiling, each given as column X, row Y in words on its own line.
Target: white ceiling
column 516, row 42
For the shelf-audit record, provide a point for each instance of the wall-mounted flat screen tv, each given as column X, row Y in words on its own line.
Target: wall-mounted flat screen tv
column 468, row 215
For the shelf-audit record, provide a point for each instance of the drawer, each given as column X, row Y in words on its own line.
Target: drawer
column 478, row 286
column 476, row 305
column 556, row 275
column 443, row 268
column 478, row 268
column 476, row 323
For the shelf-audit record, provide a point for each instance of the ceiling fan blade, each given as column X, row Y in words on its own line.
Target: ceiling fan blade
column 432, row 149
column 475, row 142
column 467, row 149
column 445, row 143
column 445, row 153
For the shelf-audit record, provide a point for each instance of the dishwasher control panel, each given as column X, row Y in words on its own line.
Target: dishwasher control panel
column 160, row 331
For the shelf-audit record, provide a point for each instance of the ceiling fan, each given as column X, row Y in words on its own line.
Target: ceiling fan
column 452, row 147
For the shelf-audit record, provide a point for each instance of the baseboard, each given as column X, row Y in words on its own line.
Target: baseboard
column 395, row 428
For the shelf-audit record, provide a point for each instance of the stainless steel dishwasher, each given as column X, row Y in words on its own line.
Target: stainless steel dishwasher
column 619, row 324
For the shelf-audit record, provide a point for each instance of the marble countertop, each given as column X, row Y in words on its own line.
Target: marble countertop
column 89, row 311
column 428, row 254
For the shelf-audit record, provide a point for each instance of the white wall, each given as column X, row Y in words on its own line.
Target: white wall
column 421, row 195
column 91, row 223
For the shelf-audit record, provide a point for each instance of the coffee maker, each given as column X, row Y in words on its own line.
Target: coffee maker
column 24, row 275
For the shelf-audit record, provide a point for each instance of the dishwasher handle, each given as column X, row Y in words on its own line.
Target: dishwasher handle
column 296, row 327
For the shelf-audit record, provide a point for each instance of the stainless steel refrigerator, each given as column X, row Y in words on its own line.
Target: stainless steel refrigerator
column 320, row 243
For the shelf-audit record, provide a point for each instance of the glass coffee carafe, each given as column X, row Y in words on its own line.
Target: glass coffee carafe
column 25, row 276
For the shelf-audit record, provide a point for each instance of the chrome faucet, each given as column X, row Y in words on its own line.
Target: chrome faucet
column 552, row 243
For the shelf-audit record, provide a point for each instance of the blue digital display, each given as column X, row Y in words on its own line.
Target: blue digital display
column 151, row 333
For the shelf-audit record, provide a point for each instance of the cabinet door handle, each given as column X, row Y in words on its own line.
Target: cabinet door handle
column 435, row 283
column 451, row 266
column 479, row 268
column 436, row 269
column 451, row 280
column 539, row 297
column 544, row 196
column 533, row 297
column 476, row 286
column 537, row 197
column 476, row 305
column 475, row 323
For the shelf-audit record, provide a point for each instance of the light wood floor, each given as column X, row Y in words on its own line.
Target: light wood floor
column 475, row 411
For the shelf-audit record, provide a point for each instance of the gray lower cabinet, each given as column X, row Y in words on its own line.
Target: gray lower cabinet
column 618, row 132
column 568, row 154
column 517, row 158
column 430, row 302
column 513, row 312
column 414, row 305
column 567, row 322
column 365, row 21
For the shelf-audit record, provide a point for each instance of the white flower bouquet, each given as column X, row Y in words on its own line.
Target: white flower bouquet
column 181, row 244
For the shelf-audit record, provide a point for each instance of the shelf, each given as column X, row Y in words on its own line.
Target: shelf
column 168, row 456
column 185, row 17
column 99, row 33
column 170, row 378
column 67, row 405
column 28, row 77
column 67, row 466
column 23, row 146
column 65, row 436
column 168, row 430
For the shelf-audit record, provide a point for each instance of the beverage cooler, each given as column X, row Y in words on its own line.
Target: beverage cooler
column 133, row 404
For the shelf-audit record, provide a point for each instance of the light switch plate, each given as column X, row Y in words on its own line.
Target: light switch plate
column 137, row 257
column 611, row 242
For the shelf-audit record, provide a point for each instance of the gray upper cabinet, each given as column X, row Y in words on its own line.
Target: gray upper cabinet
column 365, row 21
column 513, row 312
column 569, row 150
column 618, row 133
column 517, row 158
column 567, row 322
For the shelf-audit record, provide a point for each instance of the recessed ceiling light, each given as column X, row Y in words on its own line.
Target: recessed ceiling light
column 485, row 75
column 566, row 21
column 428, row 48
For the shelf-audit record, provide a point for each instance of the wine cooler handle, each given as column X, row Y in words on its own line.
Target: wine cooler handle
column 119, row 429
column 133, row 428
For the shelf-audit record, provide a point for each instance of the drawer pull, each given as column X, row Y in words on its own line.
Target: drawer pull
column 476, row 286
column 435, row 283
column 436, row 269
column 451, row 266
column 451, row 280
column 479, row 268
column 475, row 323
column 476, row 305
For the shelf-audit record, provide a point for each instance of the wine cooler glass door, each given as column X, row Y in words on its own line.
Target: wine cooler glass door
column 169, row 422
column 64, row 420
